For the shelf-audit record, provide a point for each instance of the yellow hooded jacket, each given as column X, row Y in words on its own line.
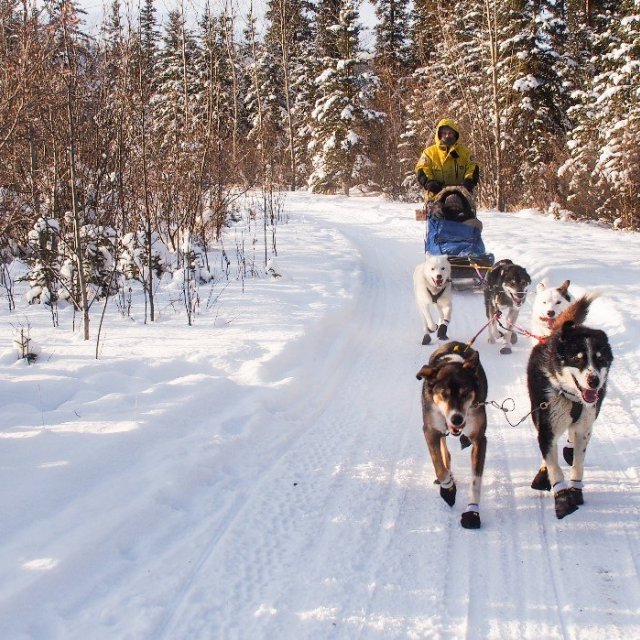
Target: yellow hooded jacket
column 449, row 166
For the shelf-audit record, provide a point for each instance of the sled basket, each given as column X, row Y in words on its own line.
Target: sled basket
column 461, row 243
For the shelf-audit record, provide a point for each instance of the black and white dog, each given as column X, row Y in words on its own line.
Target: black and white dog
column 453, row 395
column 505, row 290
column 567, row 380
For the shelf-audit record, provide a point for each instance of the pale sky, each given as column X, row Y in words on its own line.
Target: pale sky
column 193, row 8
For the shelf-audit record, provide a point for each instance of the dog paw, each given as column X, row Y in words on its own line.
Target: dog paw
column 426, row 339
column 449, row 495
column 442, row 332
column 567, row 454
column 564, row 504
column 576, row 496
column 505, row 351
column 514, row 338
column 541, row 481
column 470, row 520
column 491, row 340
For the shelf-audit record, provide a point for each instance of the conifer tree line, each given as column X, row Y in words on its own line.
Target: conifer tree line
column 145, row 132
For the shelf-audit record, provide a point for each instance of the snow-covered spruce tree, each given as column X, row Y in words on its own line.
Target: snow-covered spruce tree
column 143, row 172
column 338, row 140
column 265, row 108
column 419, row 117
column 456, row 82
column 235, row 58
column 26, row 87
column 534, row 123
column 617, row 102
column 148, row 37
column 113, row 118
column 588, row 41
column 43, row 259
column 391, row 36
column 179, row 107
column 417, row 132
column 306, row 68
column 100, row 261
column 391, row 65
column 287, row 33
column 424, row 32
column 176, row 109
column 178, row 84
column 219, row 116
column 133, row 260
column 53, row 261
column 72, row 55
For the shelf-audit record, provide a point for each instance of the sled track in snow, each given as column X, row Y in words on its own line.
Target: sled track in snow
column 367, row 535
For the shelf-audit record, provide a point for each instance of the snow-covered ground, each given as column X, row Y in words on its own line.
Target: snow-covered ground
column 263, row 474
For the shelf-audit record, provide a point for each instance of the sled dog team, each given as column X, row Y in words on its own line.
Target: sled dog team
column 566, row 378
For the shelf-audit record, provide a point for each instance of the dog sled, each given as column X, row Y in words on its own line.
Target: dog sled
column 453, row 229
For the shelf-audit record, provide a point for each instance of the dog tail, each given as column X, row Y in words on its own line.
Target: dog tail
column 577, row 312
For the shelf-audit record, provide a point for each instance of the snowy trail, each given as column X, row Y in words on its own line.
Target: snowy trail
column 379, row 554
column 326, row 491
column 279, row 486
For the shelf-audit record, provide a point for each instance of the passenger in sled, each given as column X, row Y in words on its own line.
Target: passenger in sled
column 448, row 173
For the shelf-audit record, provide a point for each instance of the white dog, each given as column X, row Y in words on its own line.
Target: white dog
column 549, row 303
column 432, row 287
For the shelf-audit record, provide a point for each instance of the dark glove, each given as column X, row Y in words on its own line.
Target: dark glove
column 433, row 186
column 468, row 184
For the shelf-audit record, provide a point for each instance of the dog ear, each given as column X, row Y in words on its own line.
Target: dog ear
column 542, row 285
column 425, row 372
column 563, row 287
column 494, row 275
column 472, row 361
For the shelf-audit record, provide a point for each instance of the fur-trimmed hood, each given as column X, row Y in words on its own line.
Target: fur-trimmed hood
column 446, row 122
column 439, row 209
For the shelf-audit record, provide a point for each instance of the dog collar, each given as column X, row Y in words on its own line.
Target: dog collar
column 436, row 296
column 576, row 405
column 569, row 395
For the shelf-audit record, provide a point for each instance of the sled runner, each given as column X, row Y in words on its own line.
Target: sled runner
column 454, row 230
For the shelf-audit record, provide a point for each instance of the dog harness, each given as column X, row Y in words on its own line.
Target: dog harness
column 576, row 411
column 436, row 296
column 576, row 407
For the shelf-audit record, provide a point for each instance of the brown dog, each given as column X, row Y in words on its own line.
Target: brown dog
column 505, row 291
column 453, row 395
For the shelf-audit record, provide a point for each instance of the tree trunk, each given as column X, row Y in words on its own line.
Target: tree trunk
column 285, row 45
column 497, row 130
column 71, row 80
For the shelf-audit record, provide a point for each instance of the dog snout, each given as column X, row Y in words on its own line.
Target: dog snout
column 457, row 420
column 518, row 297
column 593, row 380
column 551, row 313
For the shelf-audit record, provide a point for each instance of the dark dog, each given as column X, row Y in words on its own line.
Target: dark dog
column 506, row 290
column 567, row 379
column 453, row 395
